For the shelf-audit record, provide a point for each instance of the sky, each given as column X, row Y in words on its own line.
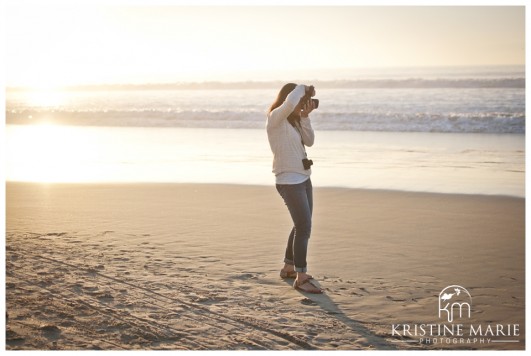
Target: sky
column 60, row 44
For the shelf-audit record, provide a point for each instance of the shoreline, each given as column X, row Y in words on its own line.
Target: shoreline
column 195, row 266
column 429, row 162
column 251, row 185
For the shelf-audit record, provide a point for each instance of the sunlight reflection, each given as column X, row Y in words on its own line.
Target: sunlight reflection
column 49, row 153
column 46, row 97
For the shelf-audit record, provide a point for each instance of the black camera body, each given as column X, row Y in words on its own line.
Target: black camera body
column 308, row 96
column 307, row 163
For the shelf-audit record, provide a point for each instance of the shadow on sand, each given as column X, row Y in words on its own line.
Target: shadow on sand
column 369, row 339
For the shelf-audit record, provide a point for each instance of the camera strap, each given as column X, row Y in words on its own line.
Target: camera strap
column 299, row 128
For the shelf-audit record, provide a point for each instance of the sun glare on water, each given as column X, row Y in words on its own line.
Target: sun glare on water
column 49, row 153
column 40, row 97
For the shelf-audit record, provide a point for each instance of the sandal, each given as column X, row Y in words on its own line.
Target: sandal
column 290, row 274
column 298, row 285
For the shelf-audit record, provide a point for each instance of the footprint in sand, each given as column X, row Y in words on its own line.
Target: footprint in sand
column 14, row 339
column 50, row 331
column 58, row 234
column 308, row 301
column 395, row 299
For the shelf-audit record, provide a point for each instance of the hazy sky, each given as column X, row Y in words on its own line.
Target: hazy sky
column 51, row 45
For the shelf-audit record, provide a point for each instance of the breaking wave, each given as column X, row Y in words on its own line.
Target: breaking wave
column 493, row 122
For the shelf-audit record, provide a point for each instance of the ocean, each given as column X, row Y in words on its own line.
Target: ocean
column 448, row 130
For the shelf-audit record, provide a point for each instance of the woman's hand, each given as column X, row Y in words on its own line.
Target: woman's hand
column 307, row 108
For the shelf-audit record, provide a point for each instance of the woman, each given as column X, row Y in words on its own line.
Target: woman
column 289, row 130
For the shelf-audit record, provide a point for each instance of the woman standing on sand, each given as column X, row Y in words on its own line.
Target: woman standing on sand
column 289, row 130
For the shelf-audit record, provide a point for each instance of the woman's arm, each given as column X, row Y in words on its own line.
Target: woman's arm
column 307, row 133
column 276, row 116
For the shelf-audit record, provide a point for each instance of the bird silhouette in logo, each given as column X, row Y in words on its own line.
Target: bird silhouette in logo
column 447, row 296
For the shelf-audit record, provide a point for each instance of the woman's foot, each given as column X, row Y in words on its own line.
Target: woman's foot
column 305, row 285
column 287, row 274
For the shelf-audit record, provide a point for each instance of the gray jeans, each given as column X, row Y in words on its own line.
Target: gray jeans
column 299, row 200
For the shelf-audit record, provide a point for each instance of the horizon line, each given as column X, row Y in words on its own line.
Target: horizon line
column 358, row 70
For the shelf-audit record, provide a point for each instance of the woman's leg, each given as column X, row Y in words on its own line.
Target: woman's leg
column 288, row 256
column 299, row 200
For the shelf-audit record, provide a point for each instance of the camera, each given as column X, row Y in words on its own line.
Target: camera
column 307, row 163
column 308, row 96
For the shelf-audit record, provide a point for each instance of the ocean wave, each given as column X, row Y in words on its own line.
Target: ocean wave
column 495, row 122
column 426, row 83
column 491, row 122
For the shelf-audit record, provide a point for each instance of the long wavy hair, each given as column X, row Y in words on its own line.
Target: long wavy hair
column 281, row 97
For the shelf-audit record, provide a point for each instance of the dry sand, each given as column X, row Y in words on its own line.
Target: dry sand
column 196, row 267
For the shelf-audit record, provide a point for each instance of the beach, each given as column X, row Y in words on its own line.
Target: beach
column 141, row 204
column 195, row 267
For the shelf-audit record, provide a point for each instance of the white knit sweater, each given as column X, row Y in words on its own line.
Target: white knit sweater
column 285, row 140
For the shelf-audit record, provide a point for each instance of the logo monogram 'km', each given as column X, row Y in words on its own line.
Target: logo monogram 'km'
column 454, row 298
